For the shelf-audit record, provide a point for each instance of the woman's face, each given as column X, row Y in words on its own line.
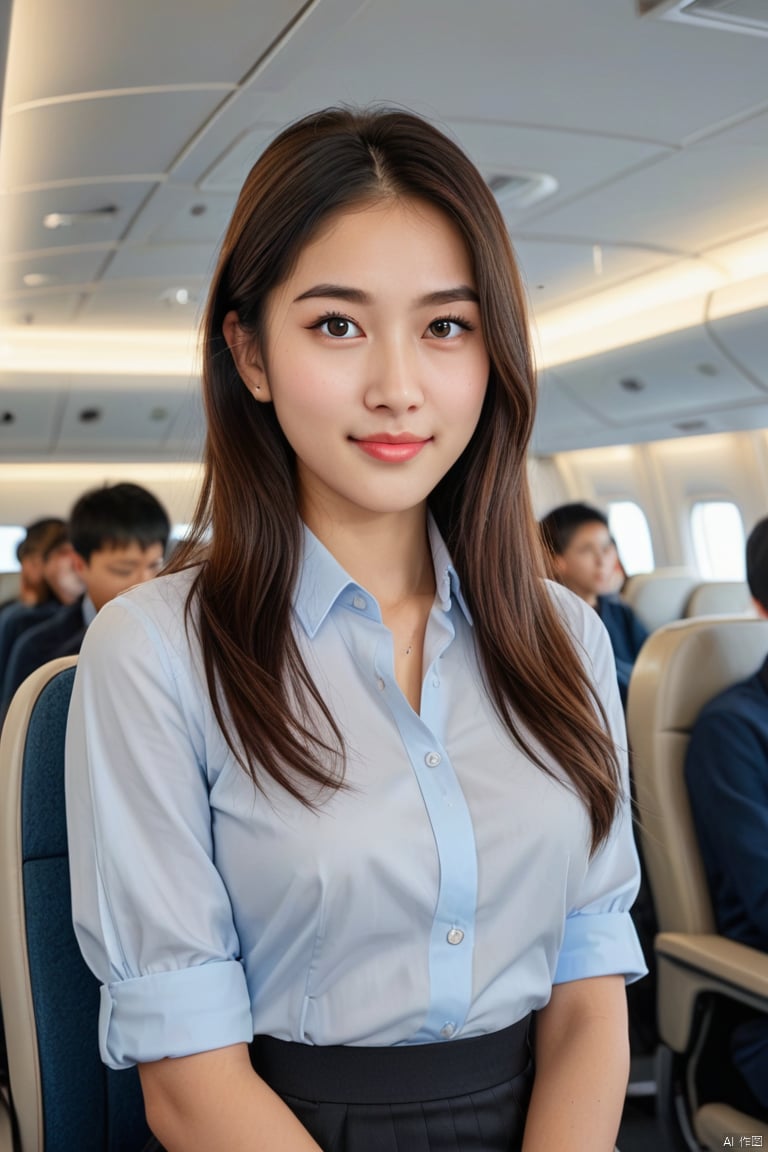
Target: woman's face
column 373, row 358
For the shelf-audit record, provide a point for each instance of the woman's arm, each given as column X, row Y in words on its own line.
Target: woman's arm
column 215, row 1102
column 582, row 1067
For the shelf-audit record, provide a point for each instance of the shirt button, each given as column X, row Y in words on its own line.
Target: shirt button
column 448, row 1029
column 432, row 759
column 455, row 936
column 435, row 683
column 359, row 602
column 380, row 684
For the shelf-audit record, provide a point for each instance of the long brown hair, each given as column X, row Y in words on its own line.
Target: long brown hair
column 261, row 691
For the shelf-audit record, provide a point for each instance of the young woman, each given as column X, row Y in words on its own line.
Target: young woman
column 351, row 780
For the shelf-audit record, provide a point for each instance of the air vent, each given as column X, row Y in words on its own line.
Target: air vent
column 521, row 189
column 748, row 16
column 691, row 425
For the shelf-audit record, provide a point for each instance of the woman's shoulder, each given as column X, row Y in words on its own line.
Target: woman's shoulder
column 157, row 608
column 586, row 629
column 580, row 619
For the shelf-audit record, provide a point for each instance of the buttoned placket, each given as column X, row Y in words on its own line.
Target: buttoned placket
column 452, row 936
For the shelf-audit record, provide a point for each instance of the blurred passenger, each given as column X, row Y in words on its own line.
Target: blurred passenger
column 726, row 771
column 579, row 542
column 29, row 553
column 60, row 586
column 118, row 537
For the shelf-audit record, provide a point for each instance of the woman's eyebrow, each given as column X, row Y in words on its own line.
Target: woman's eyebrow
column 358, row 296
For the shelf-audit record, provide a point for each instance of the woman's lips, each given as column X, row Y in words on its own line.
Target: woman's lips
column 392, row 451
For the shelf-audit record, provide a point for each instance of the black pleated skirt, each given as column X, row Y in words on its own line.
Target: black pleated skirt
column 459, row 1096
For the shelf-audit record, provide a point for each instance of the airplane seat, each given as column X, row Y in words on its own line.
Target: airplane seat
column 719, row 598
column 703, row 977
column 61, row 1096
column 660, row 596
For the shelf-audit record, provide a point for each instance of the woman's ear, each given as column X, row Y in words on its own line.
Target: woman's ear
column 246, row 357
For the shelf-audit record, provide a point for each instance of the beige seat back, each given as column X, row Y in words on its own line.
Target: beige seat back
column 679, row 669
column 660, row 596
column 719, row 598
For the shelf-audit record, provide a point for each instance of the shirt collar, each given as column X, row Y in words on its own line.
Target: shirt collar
column 323, row 582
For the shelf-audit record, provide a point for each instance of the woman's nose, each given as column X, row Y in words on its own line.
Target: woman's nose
column 394, row 379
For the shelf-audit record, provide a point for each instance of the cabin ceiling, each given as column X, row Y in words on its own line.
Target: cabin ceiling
column 140, row 121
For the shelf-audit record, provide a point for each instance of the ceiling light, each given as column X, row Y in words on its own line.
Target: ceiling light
column 67, row 219
column 36, row 279
column 58, row 220
column 177, row 296
column 143, row 353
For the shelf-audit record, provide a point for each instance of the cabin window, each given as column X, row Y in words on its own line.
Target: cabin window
column 718, row 540
column 629, row 528
column 10, row 537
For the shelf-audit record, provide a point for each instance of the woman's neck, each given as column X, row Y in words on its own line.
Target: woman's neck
column 388, row 554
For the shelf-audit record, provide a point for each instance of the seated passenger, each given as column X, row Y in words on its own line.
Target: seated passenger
column 579, row 541
column 726, row 771
column 119, row 536
column 61, row 586
column 29, row 553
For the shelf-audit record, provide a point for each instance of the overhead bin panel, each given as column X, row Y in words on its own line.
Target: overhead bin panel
column 139, row 44
column 745, row 338
column 675, row 375
column 554, row 273
column 186, row 434
column 163, row 302
column 47, row 307
column 82, row 206
column 136, row 423
column 126, row 135
column 561, row 419
column 52, row 269
column 719, row 185
column 28, row 420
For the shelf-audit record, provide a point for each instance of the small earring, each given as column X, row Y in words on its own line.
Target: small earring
column 258, row 387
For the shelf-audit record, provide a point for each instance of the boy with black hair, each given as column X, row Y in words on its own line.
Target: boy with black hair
column 119, row 535
column 726, row 770
column 579, row 542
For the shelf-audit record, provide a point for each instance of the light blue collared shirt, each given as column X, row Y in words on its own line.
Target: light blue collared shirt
column 440, row 894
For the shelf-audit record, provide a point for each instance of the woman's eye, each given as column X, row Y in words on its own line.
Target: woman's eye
column 339, row 327
column 445, row 328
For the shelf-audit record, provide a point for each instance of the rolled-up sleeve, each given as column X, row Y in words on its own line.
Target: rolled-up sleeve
column 151, row 913
column 600, row 938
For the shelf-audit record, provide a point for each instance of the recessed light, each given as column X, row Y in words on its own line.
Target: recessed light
column 67, row 219
column 37, row 279
column 58, row 220
column 177, row 296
